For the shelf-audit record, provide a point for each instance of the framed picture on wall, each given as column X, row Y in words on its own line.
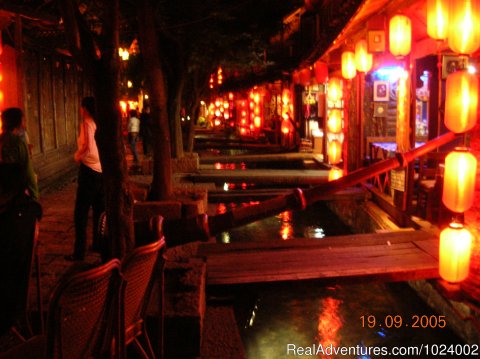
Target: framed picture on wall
column 452, row 63
column 379, row 109
column 380, row 91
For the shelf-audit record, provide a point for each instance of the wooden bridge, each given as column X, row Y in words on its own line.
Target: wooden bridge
column 392, row 256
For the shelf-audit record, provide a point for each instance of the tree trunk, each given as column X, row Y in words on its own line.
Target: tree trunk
column 162, row 187
column 103, row 69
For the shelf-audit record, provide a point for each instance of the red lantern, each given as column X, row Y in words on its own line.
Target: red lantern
column 400, row 35
column 335, row 89
column 349, row 70
column 334, row 174
column 461, row 102
column 437, row 19
column 455, row 253
column 305, row 75
column 363, row 59
column 334, row 152
column 459, row 180
column 296, row 77
column 334, row 122
column 321, row 72
column 464, row 26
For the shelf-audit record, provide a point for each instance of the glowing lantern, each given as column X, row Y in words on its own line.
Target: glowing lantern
column 335, row 89
column 363, row 60
column 400, row 35
column 321, row 72
column 334, row 122
column 296, row 77
column 464, row 26
column 459, row 180
column 219, row 76
column 437, row 19
column 334, row 174
column 461, row 101
column 348, row 65
column 305, row 76
column 455, row 252
column 334, row 152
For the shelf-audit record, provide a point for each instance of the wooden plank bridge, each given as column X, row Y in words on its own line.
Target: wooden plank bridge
column 392, row 256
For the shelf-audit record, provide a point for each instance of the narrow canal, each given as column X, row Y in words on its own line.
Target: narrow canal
column 275, row 318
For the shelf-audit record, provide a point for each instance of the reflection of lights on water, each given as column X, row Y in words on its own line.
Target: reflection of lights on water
column 329, row 322
column 225, row 237
column 225, row 186
column 286, row 229
column 252, row 316
column 314, row 232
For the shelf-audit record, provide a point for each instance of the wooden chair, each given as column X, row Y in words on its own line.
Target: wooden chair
column 140, row 270
column 83, row 317
column 430, row 184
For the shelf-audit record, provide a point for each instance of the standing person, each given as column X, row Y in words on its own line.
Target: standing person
column 90, row 190
column 146, row 130
column 133, row 130
column 19, row 211
column 13, row 148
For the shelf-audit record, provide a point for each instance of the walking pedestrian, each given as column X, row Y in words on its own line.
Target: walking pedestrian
column 146, row 130
column 90, row 189
column 133, row 130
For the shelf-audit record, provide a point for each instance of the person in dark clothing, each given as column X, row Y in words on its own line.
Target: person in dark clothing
column 146, row 130
column 90, row 190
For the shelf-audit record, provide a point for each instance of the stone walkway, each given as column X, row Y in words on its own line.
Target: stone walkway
column 56, row 237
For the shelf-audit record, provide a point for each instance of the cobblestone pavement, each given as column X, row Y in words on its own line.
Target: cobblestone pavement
column 56, row 238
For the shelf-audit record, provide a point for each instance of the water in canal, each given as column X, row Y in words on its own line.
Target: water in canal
column 274, row 318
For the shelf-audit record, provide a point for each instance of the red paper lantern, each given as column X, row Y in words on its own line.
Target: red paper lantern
column 296, row 77
column 321, row 72
column 334, row 152
column 459, row 180
column 334, row 122
column 461, row 102
column 400, row 35
column 437, row 19
column 464, row 26
column 305, row 76
column 455, row 252
column 349, row 71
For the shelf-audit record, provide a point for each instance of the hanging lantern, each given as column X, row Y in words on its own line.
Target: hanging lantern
column 296, row 77
column 334, row 174
column 464, row 26
column 363, row 59
column 437, row 19
column 334, row 122
column 321, row 72
column 400, row 35
column 459, row 180
column 461, row 101
column 305, row 75
column 334, row 152
column 455, row 253
column 348, row 65
column 335, row 89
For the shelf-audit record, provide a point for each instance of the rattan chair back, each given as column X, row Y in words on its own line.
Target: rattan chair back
column 83, row 319
column 138, row 269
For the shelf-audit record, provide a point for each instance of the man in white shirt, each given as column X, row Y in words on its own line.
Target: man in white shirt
column 90, row 189
column 133, row 130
